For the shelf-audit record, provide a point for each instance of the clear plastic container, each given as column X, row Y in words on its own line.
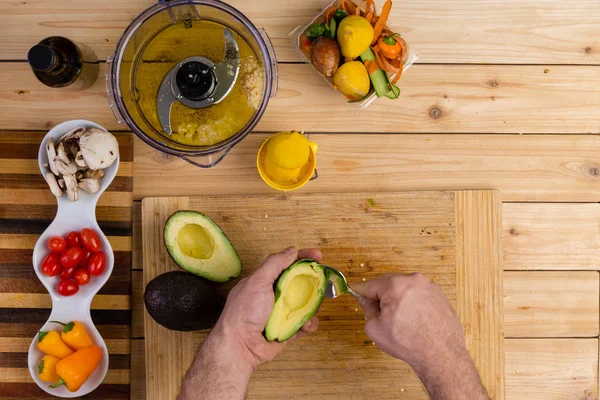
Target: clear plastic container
column 296, row 35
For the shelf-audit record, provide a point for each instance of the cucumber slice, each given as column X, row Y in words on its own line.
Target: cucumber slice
column 379, row 78
column 394, row 93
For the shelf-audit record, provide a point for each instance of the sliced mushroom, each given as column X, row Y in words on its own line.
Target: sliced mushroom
column 61, row 155
column 65, row 169
column 79, row 176
column 61, row 183
column 90, row 185
column 80, row 161
column 54, row 187
column 93, row 173
column 51, row 150
column 99, row 148
column 72, row 188
column 46, row 165
column 74, row 133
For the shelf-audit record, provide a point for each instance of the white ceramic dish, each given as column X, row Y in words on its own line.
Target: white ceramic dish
column 72, row 216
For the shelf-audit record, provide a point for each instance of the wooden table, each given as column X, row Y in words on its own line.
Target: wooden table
column 516, row 83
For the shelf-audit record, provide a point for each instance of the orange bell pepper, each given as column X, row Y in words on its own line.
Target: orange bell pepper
column 47, row 369
column 77, row 368
column 75, row 335
column 51, row 344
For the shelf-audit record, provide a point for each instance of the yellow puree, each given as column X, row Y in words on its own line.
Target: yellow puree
column 207, row 126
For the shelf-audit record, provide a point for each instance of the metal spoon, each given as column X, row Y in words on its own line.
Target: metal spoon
column 337, row 284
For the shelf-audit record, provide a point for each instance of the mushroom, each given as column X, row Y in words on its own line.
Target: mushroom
column 51, row 150
column 61, row 155
column 65, row 169
column 80, row 161
column 99, row 148
column 74, row 133
column 90, row 185
column 72, row 188
column 93, row 173
column 61, row 183
column 54, row 187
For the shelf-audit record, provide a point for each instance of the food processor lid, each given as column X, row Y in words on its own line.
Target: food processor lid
column 198, row 82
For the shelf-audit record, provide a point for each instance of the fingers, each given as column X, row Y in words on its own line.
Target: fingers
column 371, row 307
column 309, row 327
column 315, row 254
column 372, row 289
column 275, row 264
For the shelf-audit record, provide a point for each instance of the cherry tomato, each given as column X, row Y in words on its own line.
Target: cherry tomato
column 51, row 264
column 71, row 258
column 82, row 276
column 57, row 244
column 86, row 257
column 90, row 240
column 97, row 263
column 67, row 273
column 68, row 287
column 73, row 239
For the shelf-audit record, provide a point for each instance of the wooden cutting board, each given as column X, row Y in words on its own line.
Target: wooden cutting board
column 452, row 237
column 26, row 209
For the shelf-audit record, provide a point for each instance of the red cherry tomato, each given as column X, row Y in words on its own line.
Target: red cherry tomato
column 97, row 263
column 90, row 240
column 67, row 273
column 71, row 258
column 68, row 287
column 86, row 257
column 57, row 244
column 51, row 264
column 73, row 239
column 82, row 276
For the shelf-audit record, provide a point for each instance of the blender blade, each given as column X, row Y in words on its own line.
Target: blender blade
column 197, row 82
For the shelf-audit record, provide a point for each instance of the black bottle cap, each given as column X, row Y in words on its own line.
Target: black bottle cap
column 41, row 57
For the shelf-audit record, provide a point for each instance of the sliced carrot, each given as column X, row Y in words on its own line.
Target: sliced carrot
column 343, row 5
column 385, row 13
column 398, row 75
column 371, row 66
column 357, row 11
column 384, row 63
column 328, row 13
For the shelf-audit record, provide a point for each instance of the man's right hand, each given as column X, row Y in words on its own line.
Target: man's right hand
column 409, row 318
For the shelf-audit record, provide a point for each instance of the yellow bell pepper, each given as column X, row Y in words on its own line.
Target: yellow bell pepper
column 47, row 369
column 77, row 368
column 51, row 344
column 75, row 335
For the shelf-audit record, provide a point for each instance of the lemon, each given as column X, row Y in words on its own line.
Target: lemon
column 354, row 36
column 352, row 79
column 288, row 150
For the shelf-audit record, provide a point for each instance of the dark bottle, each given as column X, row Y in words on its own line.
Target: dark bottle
column 58, row 62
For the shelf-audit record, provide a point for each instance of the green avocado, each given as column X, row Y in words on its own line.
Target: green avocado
column 183, row 302
column 199, row 246
column 299, row 292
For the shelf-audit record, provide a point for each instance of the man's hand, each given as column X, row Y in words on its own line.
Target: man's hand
column 409, row 318
column 236, row 345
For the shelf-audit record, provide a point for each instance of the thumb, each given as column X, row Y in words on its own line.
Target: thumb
column 371, row 307
column 274, row 265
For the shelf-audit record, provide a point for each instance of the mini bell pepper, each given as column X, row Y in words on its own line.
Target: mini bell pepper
column 389, row 46
column 75, row 335
column 47, row 369
column 74, row 370
column 51, row 344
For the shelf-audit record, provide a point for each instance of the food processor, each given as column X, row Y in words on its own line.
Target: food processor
column 194, row 80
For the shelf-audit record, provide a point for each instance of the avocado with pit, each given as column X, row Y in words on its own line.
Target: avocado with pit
column 299, row 292
column 199, row 246
column 181, row 301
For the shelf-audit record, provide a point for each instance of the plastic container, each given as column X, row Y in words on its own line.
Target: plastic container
column 296, row 34
column 72, row 216
column 122, row 66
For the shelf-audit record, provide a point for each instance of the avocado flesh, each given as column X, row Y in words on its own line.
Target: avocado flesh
column 199, row 246
column 298, row 294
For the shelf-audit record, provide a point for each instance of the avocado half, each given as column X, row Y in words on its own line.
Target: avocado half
column 299, row 292
column 199, row 246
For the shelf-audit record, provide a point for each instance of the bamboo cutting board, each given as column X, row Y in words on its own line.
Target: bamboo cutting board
column 26, row 209
column 452, row 237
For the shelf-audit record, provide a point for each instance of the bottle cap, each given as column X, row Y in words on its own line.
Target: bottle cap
column 41, row 57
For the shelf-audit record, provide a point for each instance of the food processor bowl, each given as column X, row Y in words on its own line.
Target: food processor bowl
column 121, row 68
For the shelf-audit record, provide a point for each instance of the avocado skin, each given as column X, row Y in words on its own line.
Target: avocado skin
column 182, row 301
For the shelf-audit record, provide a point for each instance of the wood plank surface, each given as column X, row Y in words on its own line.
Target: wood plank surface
column 551, row 369
column 26, row 208
column 449, row 31
column 435, row 98
column 551, row 304
column 427, row 232
column 523, row 168
column 568, row 236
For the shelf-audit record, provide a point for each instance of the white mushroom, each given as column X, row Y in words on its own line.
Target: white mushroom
column 90, row 185
column 51, row 150
column 61, row 183
column 93, row 173
column 65, row 169
column 99, row 148
column 61, row 155
column 80, row 161
column 54, row 188
column 72, row 188
column 74, row 133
